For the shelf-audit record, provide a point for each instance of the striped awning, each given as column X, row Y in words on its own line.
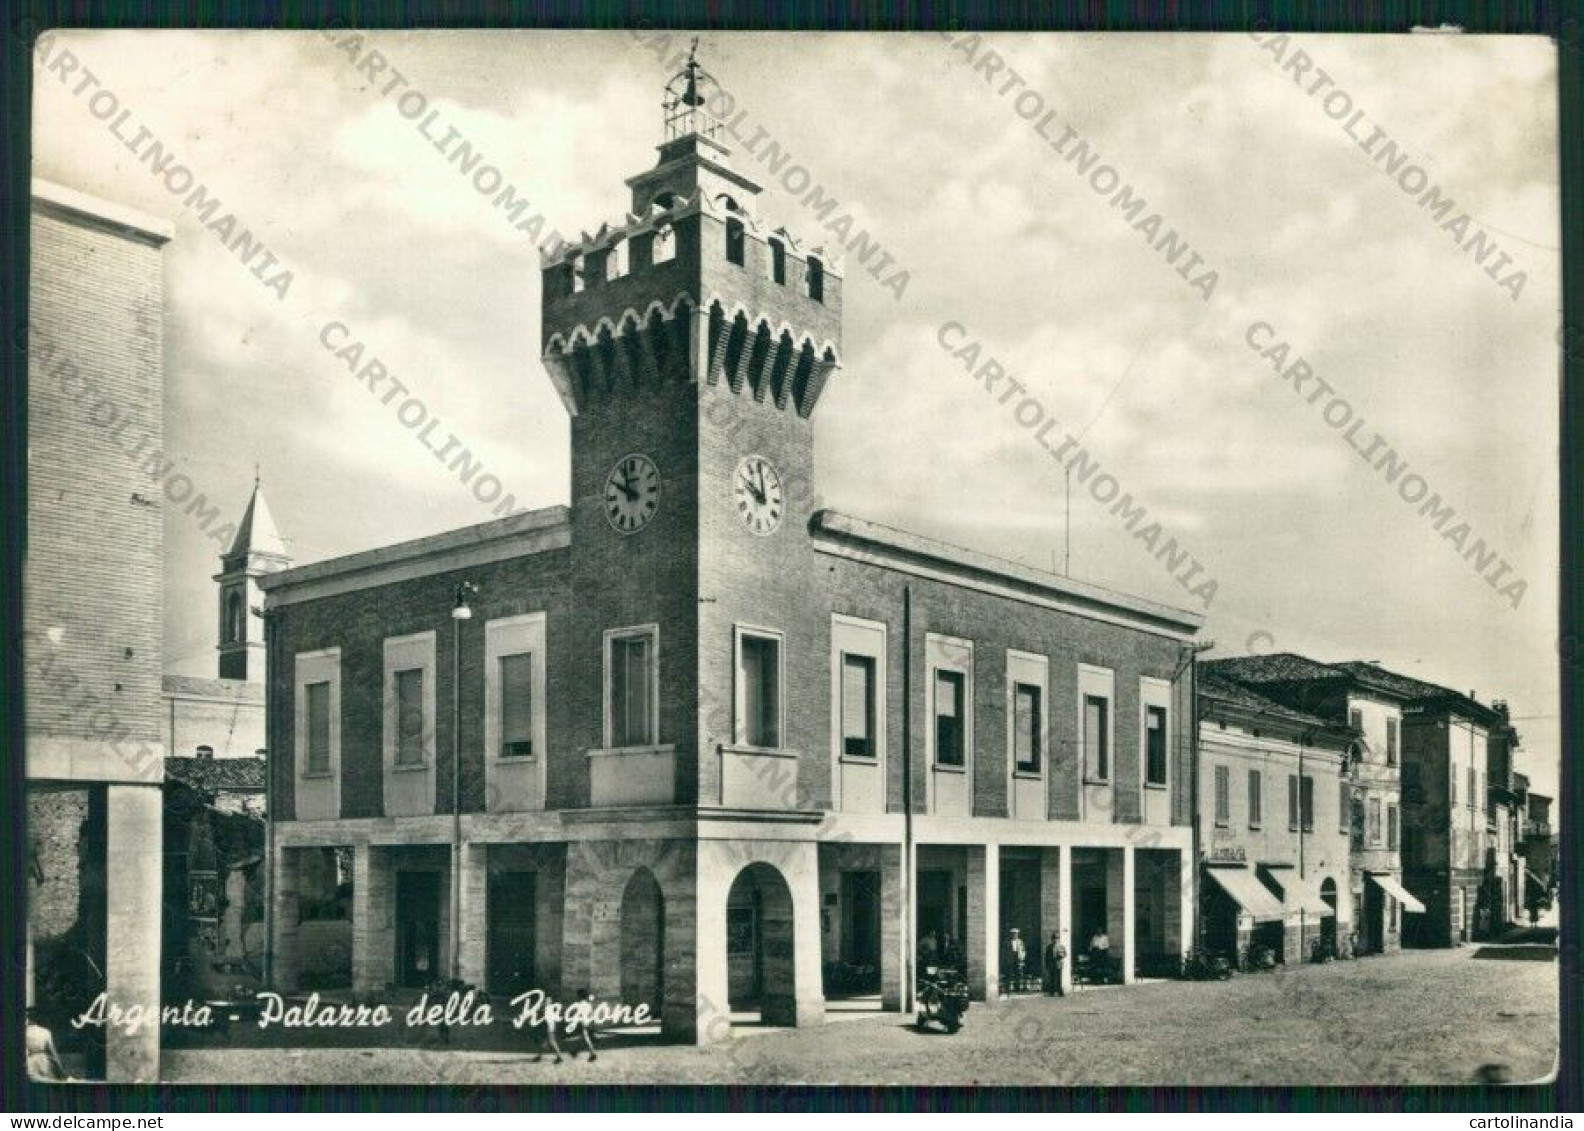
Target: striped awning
column 1247, row 892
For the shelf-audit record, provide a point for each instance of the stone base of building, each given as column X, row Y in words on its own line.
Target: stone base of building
column 712, row 920
column 94, row 920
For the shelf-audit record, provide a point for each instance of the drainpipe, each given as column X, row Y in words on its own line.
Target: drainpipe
column 909, row 911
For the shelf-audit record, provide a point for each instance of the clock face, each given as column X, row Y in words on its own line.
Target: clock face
column 632, row 493
column 756, row 489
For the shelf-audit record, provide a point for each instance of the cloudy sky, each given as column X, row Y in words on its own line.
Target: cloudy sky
column 997, row 232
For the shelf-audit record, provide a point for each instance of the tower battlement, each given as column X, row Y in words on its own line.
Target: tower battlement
column 692, row 285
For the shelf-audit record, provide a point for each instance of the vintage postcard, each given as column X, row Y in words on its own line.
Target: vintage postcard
column 652, row 557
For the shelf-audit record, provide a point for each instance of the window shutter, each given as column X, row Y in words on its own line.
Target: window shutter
column 318, row 727
column 857, row 706
column 516, row 705
column 409, row 717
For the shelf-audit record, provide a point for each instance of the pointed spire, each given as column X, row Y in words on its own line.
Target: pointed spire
column 256, row 534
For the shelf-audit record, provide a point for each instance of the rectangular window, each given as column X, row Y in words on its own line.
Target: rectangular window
column 1356, row 719
column 1027, row 727
column 1344, row 806
column 1097, row 737
column 410, row 717
column 1256, row 798
column 1391, row 742
column 631, row 705
column 1223, row 797
column 777, row 262
column 1374, row 820
column 1306, row 802
column 516, row 705
column 1155, row 745
column 949, row 717
column 1292, row 802
column 1391, row 826
column 318, row 695
column 858, row 706
column 759, row 680
column 734, row 242
column 1356, row 831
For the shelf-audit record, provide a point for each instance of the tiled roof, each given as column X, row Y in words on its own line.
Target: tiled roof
column 1416, row 690
column 1277, row 667
column 1223, row 690
column 218, row 775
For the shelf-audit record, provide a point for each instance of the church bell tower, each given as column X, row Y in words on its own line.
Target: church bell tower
column 256, row 550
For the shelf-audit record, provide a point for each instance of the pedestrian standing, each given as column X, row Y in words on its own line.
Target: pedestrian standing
column 1055, row 956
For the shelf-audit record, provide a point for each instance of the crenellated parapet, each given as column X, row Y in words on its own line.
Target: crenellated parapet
column 719, row 342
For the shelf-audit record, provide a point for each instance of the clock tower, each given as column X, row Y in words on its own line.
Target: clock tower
column 690, row 343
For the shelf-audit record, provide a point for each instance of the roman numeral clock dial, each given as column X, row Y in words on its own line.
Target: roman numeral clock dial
column 756, row 490
column 632, row 493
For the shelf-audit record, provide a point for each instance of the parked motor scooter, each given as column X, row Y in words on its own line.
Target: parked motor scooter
column 942, row 997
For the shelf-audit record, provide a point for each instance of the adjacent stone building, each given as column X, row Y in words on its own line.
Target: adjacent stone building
column 1275, row 815
column 1451, row 742
column 1356, row 697
column 677, row 742
column 92, row 600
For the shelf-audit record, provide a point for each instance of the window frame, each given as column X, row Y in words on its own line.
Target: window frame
column 417, row 743
column 523, row 634
column 1221, row 796
column 1344, row 806
column 309, row 768
column 1104, row 732
column 1372, row 822
column 1155, row 695
column 1306, row 803
column 736, row 240
column 651, row 632
column 401, row 654
column 1256, row 799
column 871, row 706
column 740, row 634
column 1034, row 764
column 320, row 666
column 1031, row 670
column 776, row 261
column 855, row 636
column 814, row 279
column 959, row 683
column 1293, row 803
column 1393, row 828
column 1393, row 739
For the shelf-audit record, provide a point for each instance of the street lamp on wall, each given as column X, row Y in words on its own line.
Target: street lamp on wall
column 460, row 611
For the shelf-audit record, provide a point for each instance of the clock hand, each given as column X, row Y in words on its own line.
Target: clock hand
column 756, row 492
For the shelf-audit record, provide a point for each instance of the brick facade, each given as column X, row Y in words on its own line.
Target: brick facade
column 759, row 881
column 92, row 606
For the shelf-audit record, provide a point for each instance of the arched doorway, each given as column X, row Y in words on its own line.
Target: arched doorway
column 1328, row 925
column 643, row 943
column 759, row 946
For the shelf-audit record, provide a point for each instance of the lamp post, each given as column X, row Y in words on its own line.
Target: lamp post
column 460, row 611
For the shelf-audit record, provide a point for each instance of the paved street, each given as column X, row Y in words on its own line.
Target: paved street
column 1418, row 1017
